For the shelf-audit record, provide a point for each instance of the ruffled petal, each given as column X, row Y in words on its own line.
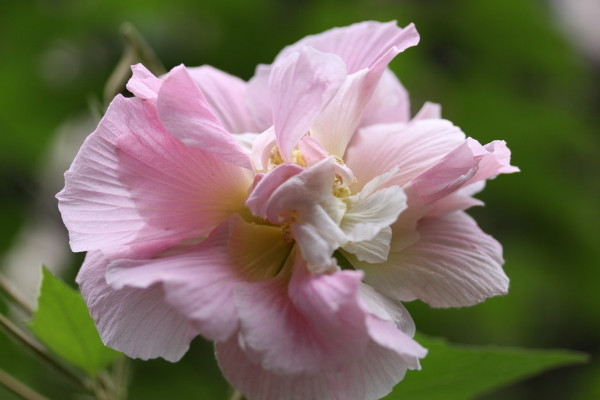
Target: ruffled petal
column 371, row 378
column 359, row 45
column 226, row 95
column 302, row 199
column 453, row 264
column 336, row 125
column 143, row 84
column 300, row 86
column 258, row 98
column 371, row 374
column 468, row 163
column 132, row 182
column 369, row 215
column 366, row 216
column 386, row 309
column 374, row 250
column 429, row 111
column 412, row 148
column 258, row 200
column 319, row 315
column 200, row 282
column 187, row 115
column 388, row 104
column 137, row 322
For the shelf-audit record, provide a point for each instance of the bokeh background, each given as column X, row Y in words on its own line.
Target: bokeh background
column 526, row 71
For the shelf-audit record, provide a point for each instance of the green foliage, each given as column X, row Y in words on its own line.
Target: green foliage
column 458, row 372
column 62, row 323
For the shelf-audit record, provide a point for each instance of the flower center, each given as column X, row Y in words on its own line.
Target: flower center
column 275, row 158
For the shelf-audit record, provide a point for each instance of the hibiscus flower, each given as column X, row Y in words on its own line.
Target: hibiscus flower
column 285, row 219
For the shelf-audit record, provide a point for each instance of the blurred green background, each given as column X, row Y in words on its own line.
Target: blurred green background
column 502, row 69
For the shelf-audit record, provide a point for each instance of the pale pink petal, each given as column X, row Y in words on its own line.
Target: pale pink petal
column 137, row 322
column 468, row 163
column 386, row 334
column 200, row 282
column 132, row 182
column 452, row 264
column 386, row 309
column 261, row 149
column 336, row 125
column 187, row 115
column 372, row 376
column 319, row 315
column 300, row 86
column 459, row 200
column 258, row 98
column 412, row 148
column 306, row 202
column 388, row 104
column 143, row 84
column 226, row 95
column 445, row 177
column 312, row 151
column 258, row 201
column 429, row 111
column 495, row 159
column 360, row 45
column 246, row 141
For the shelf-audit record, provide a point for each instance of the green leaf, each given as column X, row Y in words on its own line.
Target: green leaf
column 63, row 324
column 458, row 372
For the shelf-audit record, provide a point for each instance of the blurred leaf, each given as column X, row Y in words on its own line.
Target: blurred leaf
column 455, row 372
column 63, row 324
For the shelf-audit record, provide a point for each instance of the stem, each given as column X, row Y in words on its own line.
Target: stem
column 41, row 352
column 121, row 376
column 142, row 48
column 237, row 395
column 19, row 388
column 12, row 293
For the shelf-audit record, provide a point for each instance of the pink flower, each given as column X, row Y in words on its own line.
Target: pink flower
column 215, row 207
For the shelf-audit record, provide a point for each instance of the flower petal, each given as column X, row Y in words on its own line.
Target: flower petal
column 371, row 375
column 336, row 125
column 258, row 98
column 226, row 95
column 200, row 282
column 366, row 216
column 468, row 163
column 300, row 86
column 388, row 104
column 412, row 148
column 258, row 200
column 453, row 264
column 369, row 215
column 359, row 45
column 136, row 322
column 319, row 315
column 187, row 115
column 306, row 202
column 374, row 250
column 143, row 84
column 429, row 111
column 132, row 182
